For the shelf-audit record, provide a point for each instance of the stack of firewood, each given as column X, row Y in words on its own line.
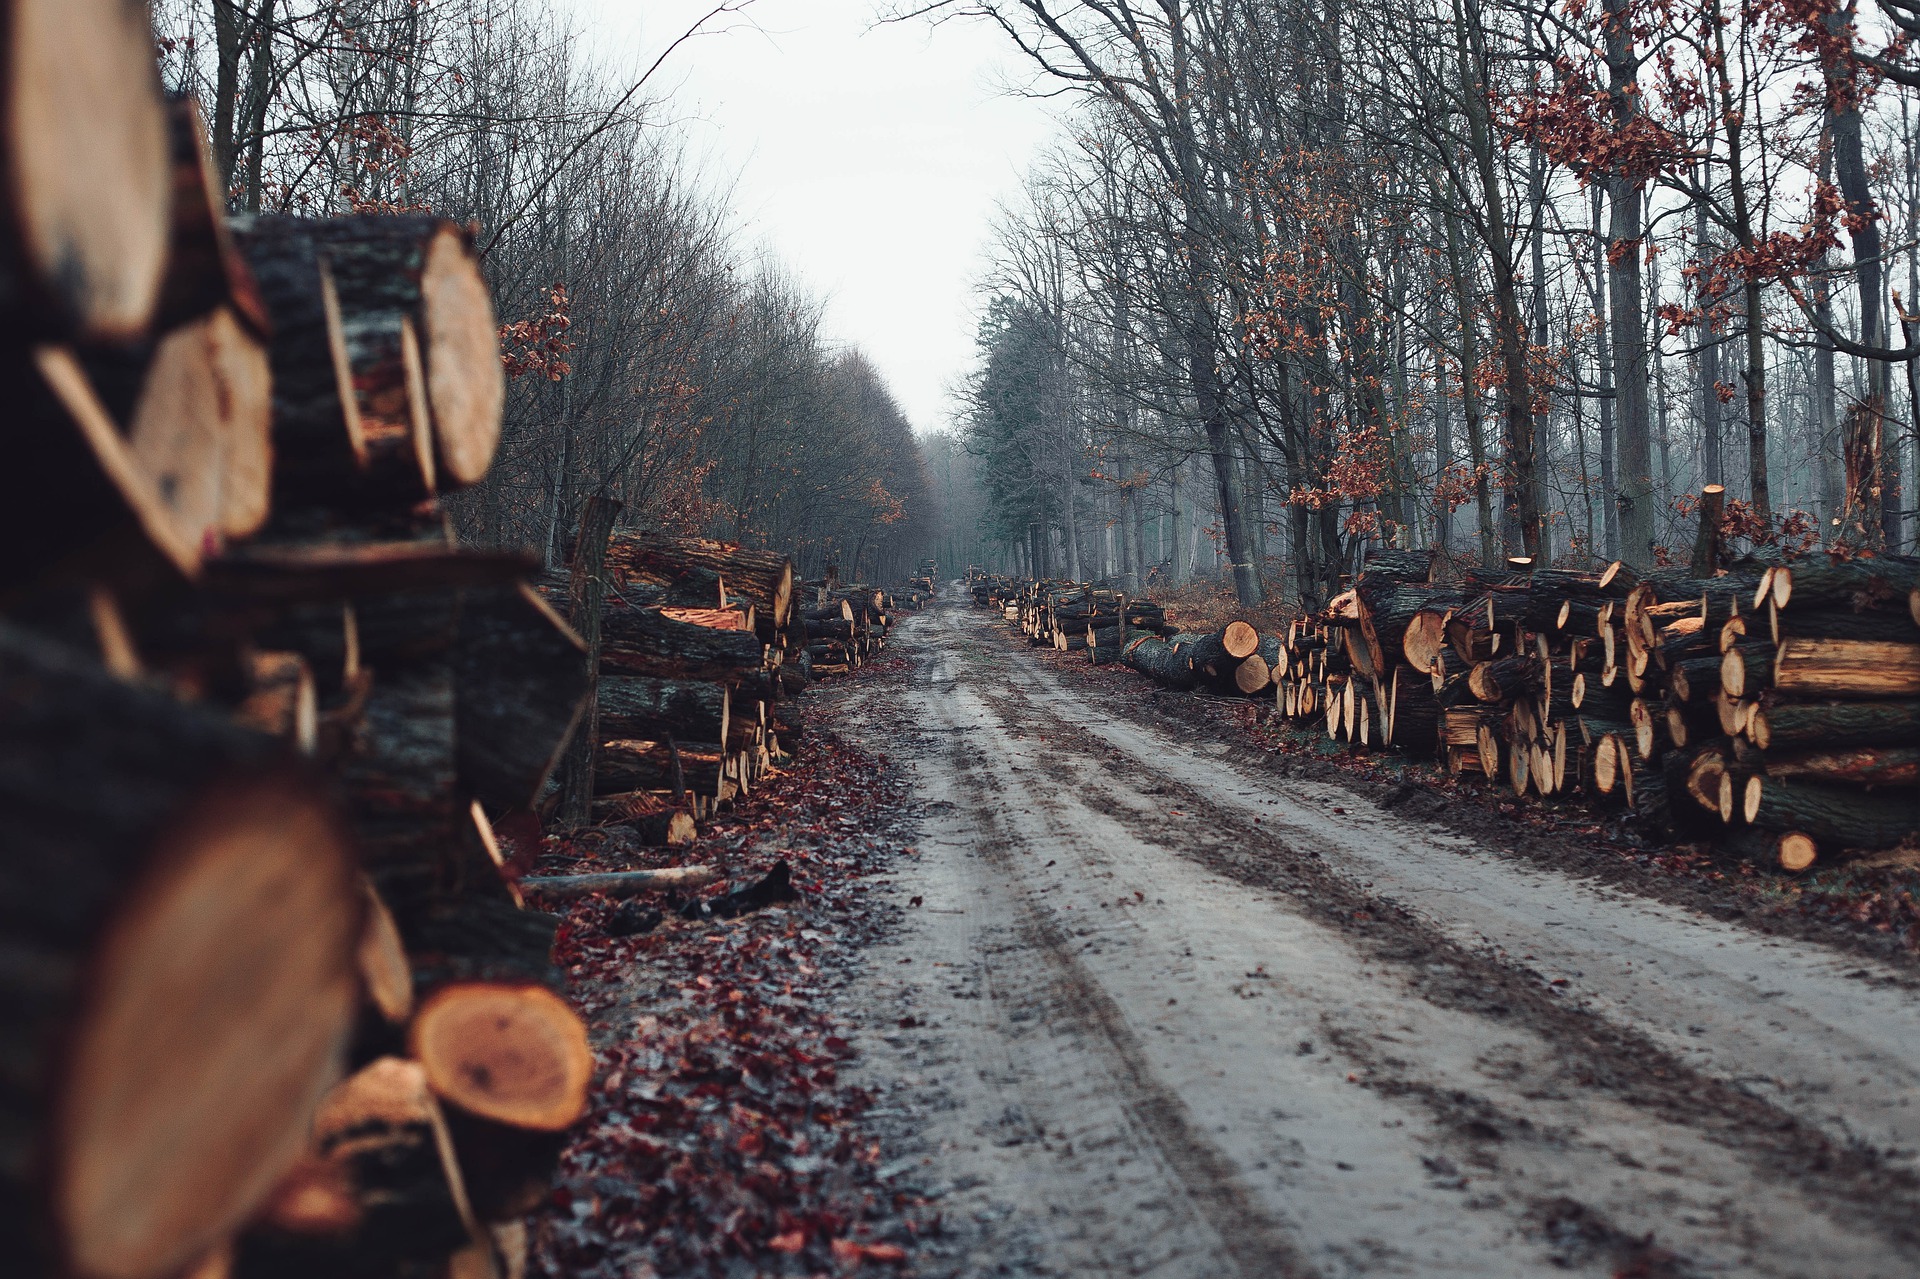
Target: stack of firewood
column 273, row 1006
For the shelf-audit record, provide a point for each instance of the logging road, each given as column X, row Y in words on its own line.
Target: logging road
column 1156, row 1013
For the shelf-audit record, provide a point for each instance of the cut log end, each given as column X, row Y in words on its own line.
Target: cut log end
column 512, row 1053
column 85, row 136
column 1796, row 852
column 466, row 383
column 251, row 897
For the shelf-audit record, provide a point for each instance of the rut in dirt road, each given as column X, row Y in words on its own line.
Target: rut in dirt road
column 1162, row 1015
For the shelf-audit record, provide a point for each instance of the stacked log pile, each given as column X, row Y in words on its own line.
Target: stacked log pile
column 846, row 626
column 1770, row 705
column 695, row 643
column 273, row 1004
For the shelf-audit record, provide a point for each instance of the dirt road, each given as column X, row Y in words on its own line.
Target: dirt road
column 1157, row 1012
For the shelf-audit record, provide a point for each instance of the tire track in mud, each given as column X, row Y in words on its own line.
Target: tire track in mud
column 1847, row 1182
column 1258, row 1244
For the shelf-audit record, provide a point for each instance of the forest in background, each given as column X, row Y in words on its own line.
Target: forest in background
column 1499, row 276
column 655, row 357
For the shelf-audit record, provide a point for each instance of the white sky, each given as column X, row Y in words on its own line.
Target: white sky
column 868, row 158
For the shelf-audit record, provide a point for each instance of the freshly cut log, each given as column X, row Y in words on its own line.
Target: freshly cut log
column 321, row 449
column 1747, row 668
column 420, row 334
column 1857, row 585
column 513, row 1053
column 765, row 577
column 520, row 684
column 195, row 406
column 622, row 883
column 1159, row 660
column 84, row 141
column 657, row 766
column 205, row 270
column 77, row 501
column 1413, row 713
column 1891, row 767
column 1847, row 668
column 1833, row 725
column 1252, row 676
column 1411, row 567
column 1808, row 624
column 1842, row 816
column 645, row 642
column 1503, row 678
column 281, row 701
column 386, row 976
column 640, row 707
column 380, row 1192
column 157, row 853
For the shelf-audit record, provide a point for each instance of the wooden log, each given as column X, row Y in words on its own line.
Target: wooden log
column 1814, row 624
column 638, row 641
column 1159, row 660
column 83, row 227
column 1842, row 816
column 1504, row 678
column 1747, row 668
column 324, row 453
column 156, row 853
column 643, row 708
column 1858, row 585
column 421, row 339
column 379, row 1192
column 521, row 688
column 1791, row 726
column 77, row 501
column 513, row 1055
column 400, row 783
column 624, row 883
column 1413, row 714
column 765, row 577
column 1847, row 668
column 1412, row 567
column 655, row 819
column 660, row 766
column 1253, row 675
column 1868, row 766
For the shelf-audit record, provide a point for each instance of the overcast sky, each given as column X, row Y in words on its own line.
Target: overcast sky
column 869, row 158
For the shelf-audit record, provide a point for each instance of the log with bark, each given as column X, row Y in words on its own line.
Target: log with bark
column 157, row 853
column 1843, row 816
column 521, row 687
column 640, row 641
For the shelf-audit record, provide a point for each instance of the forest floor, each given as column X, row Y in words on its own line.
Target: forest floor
column 1112, row 985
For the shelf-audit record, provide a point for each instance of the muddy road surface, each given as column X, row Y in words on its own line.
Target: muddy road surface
column 1158, row 1012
